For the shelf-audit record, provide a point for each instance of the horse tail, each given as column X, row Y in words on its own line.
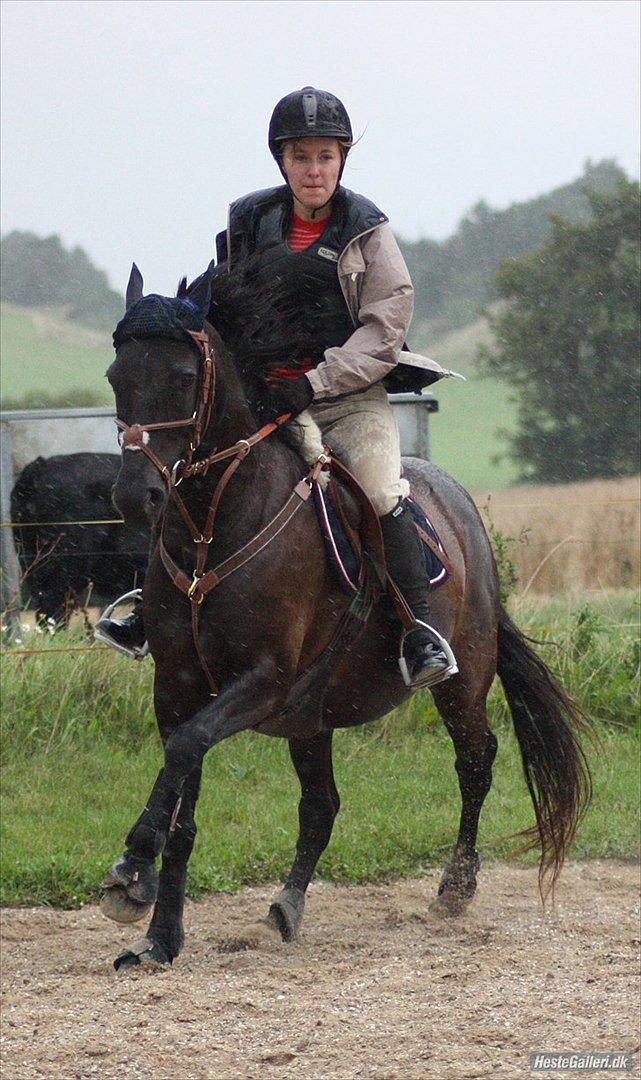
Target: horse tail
column 547, row 723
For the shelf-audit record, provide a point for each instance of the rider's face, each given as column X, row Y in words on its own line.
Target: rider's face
column 312, row 167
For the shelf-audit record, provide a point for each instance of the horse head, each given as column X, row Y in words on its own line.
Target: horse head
column 163, row 381
column 163, row 376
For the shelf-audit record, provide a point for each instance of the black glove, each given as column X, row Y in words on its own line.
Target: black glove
column 292, row 397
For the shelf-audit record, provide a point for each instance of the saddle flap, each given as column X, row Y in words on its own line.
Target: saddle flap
column 340, row 535
column 349, row 527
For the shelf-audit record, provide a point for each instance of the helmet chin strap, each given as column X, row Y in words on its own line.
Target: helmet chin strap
column 319, row 208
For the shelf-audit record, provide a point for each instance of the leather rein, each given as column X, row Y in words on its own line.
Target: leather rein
column 136, row 437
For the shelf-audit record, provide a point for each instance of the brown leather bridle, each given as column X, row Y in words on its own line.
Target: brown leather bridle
column 132, row 436
column 203, row 580
column 135, row 437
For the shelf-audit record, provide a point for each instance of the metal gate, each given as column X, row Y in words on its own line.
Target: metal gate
column 26, row 434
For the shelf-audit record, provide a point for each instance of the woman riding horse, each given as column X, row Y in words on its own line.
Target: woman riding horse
column 335, row 254
column 248, row 626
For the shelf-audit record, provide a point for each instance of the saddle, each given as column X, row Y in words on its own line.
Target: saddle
column 339, row 522
column 351, row 532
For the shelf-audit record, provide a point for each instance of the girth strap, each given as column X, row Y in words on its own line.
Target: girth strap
column 439, row 552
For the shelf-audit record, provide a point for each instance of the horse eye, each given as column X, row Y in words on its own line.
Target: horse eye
column 186, row 379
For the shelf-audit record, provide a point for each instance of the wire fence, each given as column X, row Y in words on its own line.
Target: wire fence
column 54, row 524
column 530, row 544
column 55, row 649
column 512, row 506
column 4, row 652
column 94, row 648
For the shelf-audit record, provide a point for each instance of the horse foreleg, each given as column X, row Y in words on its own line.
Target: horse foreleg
column 318, row 807
column 475, row 746
column 164, row 938
column 131, row 885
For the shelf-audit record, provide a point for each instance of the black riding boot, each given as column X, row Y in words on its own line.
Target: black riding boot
column 426, row 661
column 127, row 635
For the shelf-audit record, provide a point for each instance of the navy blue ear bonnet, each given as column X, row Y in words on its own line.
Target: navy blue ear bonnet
column 159, row 316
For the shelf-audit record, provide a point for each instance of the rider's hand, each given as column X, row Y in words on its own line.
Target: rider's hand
column 291, row 397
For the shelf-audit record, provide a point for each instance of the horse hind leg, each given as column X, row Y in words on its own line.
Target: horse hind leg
column 165, row 936
column 465, row 717
column 318, row 807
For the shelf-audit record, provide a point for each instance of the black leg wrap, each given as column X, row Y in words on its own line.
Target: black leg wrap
column 148, row 843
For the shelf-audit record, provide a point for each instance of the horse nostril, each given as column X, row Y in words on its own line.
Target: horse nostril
column 156, row 497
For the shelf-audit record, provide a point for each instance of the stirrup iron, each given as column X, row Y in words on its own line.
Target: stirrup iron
column 135, row 653
column 451, row 669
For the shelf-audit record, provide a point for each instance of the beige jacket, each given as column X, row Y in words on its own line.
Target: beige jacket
column 379, row 295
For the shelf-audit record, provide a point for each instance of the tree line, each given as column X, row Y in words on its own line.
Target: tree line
column 454, row 278
column 567, row 340
column 565, row 265
column 40, row 272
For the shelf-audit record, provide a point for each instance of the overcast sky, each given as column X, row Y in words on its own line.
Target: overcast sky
column 129, row 125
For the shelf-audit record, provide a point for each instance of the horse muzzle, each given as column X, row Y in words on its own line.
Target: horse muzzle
column 140, row 493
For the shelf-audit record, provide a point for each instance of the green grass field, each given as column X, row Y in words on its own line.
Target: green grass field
column 43, row 352
column 465, row 431
column 81, row 753
column 466, row 439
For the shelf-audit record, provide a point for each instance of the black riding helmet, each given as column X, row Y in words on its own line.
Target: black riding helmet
column 308, row 113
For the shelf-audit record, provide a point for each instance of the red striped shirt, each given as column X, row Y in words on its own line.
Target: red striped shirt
column 303, row 233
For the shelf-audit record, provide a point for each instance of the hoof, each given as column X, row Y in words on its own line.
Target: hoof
column 458, row 885
column 145, row 953
column 117, row 905
column 129, row 889
column 286, row 913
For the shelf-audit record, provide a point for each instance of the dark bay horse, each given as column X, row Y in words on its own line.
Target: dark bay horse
column 263, row 629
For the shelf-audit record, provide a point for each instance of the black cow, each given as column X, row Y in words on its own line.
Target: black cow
column 60, row 564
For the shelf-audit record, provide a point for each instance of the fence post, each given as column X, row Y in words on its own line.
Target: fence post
column 10, row 600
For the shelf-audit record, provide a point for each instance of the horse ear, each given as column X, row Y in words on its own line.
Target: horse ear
column 199, row 292
column 134, row 287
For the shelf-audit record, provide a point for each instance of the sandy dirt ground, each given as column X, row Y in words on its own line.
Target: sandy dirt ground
column 377, row 986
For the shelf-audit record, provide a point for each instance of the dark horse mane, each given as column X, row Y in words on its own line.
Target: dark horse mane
column 263, row 327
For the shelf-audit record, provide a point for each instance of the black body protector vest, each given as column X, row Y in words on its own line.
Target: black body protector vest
column 259, row 225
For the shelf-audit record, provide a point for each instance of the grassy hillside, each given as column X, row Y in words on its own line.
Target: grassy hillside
column 40, row 271
column 465, row 439
column 454, row 277
column 465, row 431
column 43, row 352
